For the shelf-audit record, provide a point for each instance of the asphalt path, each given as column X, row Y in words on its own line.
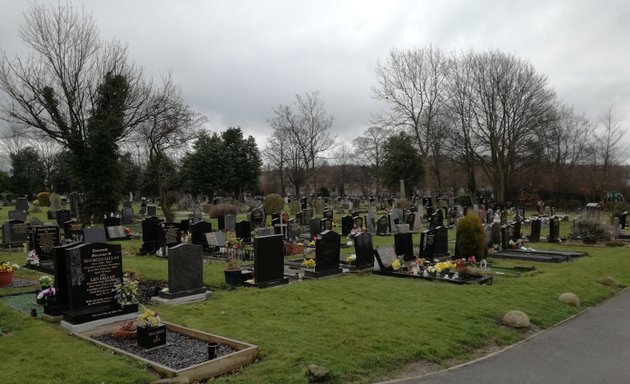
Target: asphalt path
column 592, row 347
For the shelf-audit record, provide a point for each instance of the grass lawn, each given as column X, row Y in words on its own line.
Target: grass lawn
column 364, row 328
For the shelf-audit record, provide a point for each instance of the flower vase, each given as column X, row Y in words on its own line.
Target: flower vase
column 151, row 337
column 6, row 278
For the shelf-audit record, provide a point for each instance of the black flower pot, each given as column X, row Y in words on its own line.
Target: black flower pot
column 151, row 337
column 233, row 277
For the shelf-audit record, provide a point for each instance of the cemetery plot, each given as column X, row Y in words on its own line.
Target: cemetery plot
column 327, row 253
column 390, row 265
column 237, row 353
column 539, row 255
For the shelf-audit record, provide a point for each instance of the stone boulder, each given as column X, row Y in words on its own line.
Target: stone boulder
column 516, row 319
column 569, row 298
column 317, row 374
column 609, row 281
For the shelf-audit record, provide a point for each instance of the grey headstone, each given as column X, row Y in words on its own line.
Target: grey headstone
column 94, row 235
column 185, row 271
column 230, row 222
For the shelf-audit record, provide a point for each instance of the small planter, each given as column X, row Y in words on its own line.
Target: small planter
column 151, row 337
column 233, row 277
column 6, row 278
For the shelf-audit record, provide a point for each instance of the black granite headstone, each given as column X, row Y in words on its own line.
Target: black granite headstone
column 17, row 215
column 73, row 230
column 427, row 243
column 554, row 230
column 14, row 232
column 170, row 234
column 21, row 204
column 403, row 246
column 441, row 242
column 198, row 232
column 315, row 227
column 127, row 215
column 382, row 226
column 43, row 239
column 346, row 225
column 151, row 234
column 268, row 258
column 534, row 236
column 62, row 215
column 93, row 271
column 151, row 210
column 327, row 251
column 257, row 218
column 363, row 250
column 243, row 230
column 185, row 271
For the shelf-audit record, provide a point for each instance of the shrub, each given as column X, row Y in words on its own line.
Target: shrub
column 471, row 237
column 43, row 198
column 591, row 231
column 273, row 203
column 222, row 210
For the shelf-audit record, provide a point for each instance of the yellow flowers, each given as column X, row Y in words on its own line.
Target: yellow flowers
column 148, row 318
column 308, row 263
column 7, row 266
column 396, row 265
column 444, row 265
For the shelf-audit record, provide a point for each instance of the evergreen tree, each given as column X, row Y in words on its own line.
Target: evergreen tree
column 401, row 161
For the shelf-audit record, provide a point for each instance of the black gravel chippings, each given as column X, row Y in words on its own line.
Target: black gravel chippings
column 180, row 351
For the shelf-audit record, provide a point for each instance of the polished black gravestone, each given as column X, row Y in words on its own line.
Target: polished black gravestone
column 427, row 244
column 268, row 262
column 151, row 234
column 243, row 230
column 382, row 226
column 363, row 249
column 43, row 239
column 346, row 225
column 534, row 236
column 62, row 298
column 73, row 230
column 170, row 234
column 257, row 218
column 327, row 253
column 21, row 204
column 62, row 215
column 198, row 232
column 185, row 272
column 14, row 232
column 554, row 230
column 93, row 270
column 315, row 227
column 403, row 246
column 151, row 210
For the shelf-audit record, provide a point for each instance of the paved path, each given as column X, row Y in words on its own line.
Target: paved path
column 593, row 347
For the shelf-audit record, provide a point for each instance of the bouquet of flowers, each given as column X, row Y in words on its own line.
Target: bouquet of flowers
column 308, row 263
column 32, row 258
column 46, row 281
column 148, row 319
column 126, row 292
column 46, row 296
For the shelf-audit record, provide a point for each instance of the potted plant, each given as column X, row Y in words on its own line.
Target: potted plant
column 233, row 272
column 150, row 332
column 47, row 297
column 6, row 272
column 45, row 282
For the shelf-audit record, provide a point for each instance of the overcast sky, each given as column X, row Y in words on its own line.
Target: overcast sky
column 236, row 60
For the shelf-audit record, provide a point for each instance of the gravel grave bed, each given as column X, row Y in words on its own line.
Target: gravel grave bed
column 180, row 351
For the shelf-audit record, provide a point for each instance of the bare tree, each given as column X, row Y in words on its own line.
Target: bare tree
column 171, row 126
column 368, row 153
column 511, row 103
column 412, row 82
column 607, row 142
column 306, row 126
column 342, row 158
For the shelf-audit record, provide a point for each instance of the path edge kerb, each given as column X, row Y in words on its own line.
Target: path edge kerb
column 527, row 339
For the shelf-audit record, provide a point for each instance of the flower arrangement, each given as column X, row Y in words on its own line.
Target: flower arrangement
column 351, row 259
column 231, row 241
column 126, row 292
column 233, row 263
column 46, row 281
column 7, row 266
column 308, row 263
column 32, row 258
column 396, row 265
column 46, row 296
column 148, row 319
column 519, row 243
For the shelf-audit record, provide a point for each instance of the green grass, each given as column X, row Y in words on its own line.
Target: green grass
column 364, row 328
